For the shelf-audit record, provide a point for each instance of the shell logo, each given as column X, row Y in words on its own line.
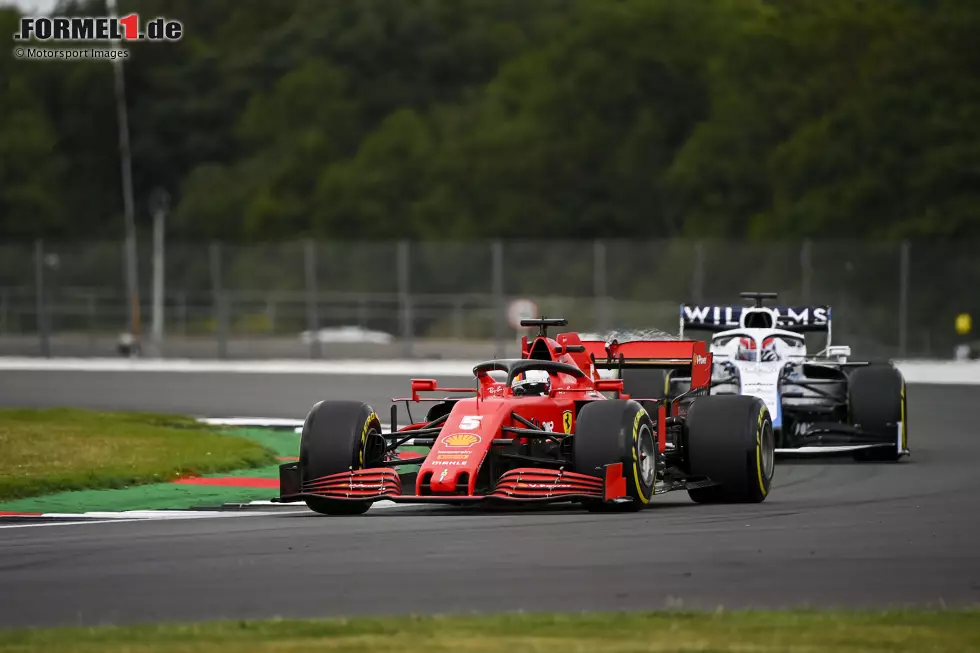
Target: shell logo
column 461, row 440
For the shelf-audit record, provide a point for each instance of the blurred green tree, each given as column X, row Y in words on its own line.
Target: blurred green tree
column 476, row 118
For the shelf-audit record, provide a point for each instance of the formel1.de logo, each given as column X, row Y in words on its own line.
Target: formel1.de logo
column 98, row 28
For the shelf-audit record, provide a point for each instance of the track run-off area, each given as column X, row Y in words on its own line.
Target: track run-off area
column 833, row 533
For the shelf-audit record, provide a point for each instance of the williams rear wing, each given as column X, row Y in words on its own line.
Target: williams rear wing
column 715, row 318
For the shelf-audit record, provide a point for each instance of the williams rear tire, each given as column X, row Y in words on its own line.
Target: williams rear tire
column 617, row 431
column 729, row 439
column 338, row 436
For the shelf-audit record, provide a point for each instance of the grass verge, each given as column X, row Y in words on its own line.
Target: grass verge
column 46, row 451
column 783, row 632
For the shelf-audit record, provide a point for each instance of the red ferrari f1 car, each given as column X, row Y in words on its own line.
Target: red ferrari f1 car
column 540, row 429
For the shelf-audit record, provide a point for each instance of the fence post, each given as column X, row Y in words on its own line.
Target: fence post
column 182, row 312
column 404, row 298
column 159, row 272
column 312, row 303
column 93, row 322
column 497, row 256
column 599, row 285
column 42, row 304
column 4, row 309
column 806, row 268
column 697, row 278
column 218, row 300
column 903, row 299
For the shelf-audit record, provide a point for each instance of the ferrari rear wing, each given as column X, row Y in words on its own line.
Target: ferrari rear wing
column 691, row 357
column 645, row 353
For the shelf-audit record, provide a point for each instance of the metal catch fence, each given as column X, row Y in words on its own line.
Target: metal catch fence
column 426, row 299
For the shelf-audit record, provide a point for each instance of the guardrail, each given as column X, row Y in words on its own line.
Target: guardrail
column 915, row 371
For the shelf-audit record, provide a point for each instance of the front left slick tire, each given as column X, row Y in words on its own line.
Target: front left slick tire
column 338, row 436
column 877, row 404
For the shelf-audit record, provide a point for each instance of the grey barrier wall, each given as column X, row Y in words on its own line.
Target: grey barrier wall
column 451, row 299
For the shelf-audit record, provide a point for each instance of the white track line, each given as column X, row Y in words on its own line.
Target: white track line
column 76, row 519
column 69, row 523
column 65, row 519
column 139, row 515
column 270, row 422
column 372, row 367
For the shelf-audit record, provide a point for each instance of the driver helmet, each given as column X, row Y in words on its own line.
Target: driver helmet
column 531, row 382
column 746, row 349
column 769, row 352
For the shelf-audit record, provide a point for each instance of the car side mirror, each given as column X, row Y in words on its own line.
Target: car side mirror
column 840, row 352
column 609, row 385
column 422, row 385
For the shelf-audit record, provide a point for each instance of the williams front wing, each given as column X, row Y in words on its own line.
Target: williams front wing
column 836, row 438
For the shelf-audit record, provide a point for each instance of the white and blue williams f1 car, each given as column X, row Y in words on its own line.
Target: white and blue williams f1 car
column 820, row 404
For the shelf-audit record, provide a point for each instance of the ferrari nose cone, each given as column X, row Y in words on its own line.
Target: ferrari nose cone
column 446, row 479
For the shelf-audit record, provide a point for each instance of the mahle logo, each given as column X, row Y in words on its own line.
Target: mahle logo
column 97, row 28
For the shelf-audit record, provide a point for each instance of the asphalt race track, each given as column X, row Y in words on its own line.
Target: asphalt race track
column 205, row 394
column 830, row 534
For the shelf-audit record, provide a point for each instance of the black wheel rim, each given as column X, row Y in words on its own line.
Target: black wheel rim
column 647, row 453
column 375, row 446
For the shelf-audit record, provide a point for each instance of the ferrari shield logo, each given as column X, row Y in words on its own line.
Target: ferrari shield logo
column 566, row 421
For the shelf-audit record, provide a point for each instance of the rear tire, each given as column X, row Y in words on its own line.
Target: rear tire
column 618, row 431
column 876, row 398
column 730, row 440
column 338, row 436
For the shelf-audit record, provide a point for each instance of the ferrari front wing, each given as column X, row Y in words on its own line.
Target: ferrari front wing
column 525, row 485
